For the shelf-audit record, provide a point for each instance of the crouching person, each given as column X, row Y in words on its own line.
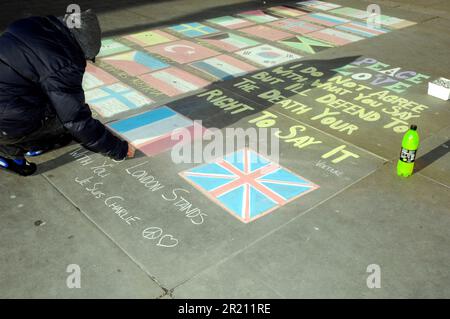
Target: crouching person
column 42, row 104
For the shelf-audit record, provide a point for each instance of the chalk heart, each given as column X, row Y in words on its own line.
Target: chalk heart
column 167, row 241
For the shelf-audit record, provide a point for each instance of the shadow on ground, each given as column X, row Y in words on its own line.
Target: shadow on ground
column 432, row 156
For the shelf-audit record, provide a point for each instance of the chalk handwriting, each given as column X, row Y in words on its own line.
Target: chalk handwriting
column 117, row 205
column 193, row 213
column 220, row 99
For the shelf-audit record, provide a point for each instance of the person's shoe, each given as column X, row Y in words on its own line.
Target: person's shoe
column 34, row 153
column 18, row 166
column 60, row 141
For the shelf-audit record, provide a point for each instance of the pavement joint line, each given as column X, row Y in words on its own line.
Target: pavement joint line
column 225, row 259
column 136, row 262
column 433, row 180
column 280, row 295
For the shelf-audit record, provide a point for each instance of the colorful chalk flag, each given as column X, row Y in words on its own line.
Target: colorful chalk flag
column 95, row 77
column 297, row 26
column 153, row 37
column 229, row 41
column 110, row 46
column 335, row 36
column 230, row 22
column 182, row 51
column 265, row 32
column 327, row 20
column 351, row 12
column 267, row 55
column 258, row 16
column 307, row 45
column 116, row 98
column 362, row 29
column 135, row 62
column 247, row 185
column 287, row 11
column 173, row 81
column 155, row 131
column 317, row 5
column 223, row 67
column 193, row 29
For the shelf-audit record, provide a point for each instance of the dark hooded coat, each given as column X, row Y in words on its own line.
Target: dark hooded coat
column 41, row 70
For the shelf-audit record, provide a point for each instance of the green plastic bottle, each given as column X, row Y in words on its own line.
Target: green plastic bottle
column 410, row 144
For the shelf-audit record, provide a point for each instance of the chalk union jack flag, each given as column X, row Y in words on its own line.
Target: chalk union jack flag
column 248, row 185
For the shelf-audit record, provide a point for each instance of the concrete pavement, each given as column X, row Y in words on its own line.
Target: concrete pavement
column 133, row 226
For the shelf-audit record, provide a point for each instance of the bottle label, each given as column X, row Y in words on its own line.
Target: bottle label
column 408, row 156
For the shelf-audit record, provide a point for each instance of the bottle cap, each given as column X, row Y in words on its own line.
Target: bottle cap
column 414, row 127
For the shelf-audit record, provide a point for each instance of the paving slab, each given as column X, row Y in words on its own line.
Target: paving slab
column 326, row 252
column 43, row 234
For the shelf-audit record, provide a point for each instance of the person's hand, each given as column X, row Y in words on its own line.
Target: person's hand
column 131, row 151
